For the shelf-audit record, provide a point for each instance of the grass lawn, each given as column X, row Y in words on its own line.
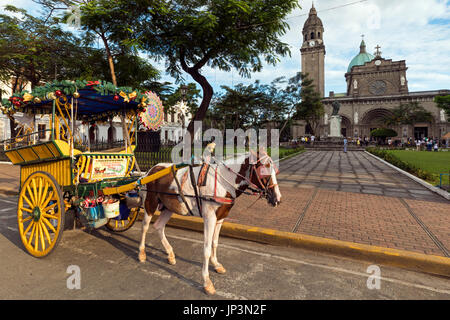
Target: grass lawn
column 430, row 161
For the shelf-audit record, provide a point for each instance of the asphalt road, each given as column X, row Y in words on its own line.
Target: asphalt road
column 109, row 269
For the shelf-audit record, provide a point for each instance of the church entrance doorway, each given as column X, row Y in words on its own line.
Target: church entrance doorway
column 420, row 132
column 344, row 132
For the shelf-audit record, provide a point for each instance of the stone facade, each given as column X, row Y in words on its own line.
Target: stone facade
column 362, row 114
column 375, row 85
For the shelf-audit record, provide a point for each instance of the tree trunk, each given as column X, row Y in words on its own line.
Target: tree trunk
column 110, row 59
column 207, row 96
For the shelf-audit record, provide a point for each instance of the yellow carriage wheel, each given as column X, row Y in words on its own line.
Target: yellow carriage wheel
column 40, row 214
column 123, row 225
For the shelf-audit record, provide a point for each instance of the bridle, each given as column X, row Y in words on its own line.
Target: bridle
column 263, row 188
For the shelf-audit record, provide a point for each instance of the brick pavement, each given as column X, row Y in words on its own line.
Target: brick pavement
column 352, row 197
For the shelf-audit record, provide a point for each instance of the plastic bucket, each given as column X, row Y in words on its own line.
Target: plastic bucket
column 95, row 213
column 111, row 209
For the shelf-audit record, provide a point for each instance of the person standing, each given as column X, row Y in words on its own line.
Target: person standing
column 345, row 145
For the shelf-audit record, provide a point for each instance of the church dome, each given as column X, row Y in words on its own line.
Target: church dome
column 361, row 58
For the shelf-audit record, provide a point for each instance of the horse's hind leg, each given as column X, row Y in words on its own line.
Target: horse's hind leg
column 150, row 205
column 160, row 226
column 215, row 243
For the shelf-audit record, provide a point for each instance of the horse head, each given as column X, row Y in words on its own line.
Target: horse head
column 263, row 175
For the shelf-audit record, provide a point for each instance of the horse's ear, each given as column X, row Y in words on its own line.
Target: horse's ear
column 262, row 151
column 253, row 156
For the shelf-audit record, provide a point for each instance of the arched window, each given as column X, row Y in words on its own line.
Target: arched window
column 318, row 35
column 312, row 35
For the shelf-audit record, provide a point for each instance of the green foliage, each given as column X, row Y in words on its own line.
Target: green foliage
column 443, row 102
column 383, row 133
column 408, row 113
column 37, row 50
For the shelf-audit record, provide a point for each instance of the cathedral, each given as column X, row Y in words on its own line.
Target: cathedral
column 375, row 85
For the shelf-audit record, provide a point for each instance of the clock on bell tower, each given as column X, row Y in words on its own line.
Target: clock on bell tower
column 313, row 51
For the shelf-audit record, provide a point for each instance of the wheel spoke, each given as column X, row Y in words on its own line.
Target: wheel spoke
column 33, row 201
column 44, row 193
column 26, row 219
column 36, row 242
column 50, row 216
column 27, row 200
column 28, row 229
column 48, row 224
column 50, row 207
column 47, row 235
column 39, row 193
column 26, row 209
column 33, row 184
column 41, row 235
column 47, row 200
column 32, row 233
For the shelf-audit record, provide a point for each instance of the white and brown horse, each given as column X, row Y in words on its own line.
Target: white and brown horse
column 225, row 182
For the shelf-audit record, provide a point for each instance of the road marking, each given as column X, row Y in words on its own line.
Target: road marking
column 8, row 201
column 7, row 209
column 365, row 275
column 7, row 217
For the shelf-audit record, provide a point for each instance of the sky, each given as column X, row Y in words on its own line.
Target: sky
column 417, row 31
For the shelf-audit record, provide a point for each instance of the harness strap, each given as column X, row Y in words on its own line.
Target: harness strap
column 181, row 192
column 194, row 186
column 219, row 200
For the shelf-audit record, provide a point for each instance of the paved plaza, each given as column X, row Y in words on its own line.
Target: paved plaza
column 352, row 197
column 345, row 196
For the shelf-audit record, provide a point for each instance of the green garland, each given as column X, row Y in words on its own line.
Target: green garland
column 47, row 93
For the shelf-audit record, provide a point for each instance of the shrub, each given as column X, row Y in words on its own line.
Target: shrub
column 383, row 133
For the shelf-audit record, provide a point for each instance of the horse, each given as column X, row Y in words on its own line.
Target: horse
column 225, row 181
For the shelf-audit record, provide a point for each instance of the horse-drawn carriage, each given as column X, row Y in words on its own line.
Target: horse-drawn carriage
column 57, row 176
column 100, row 188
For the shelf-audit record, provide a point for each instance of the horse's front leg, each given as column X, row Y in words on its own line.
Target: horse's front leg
column 145, row 224
column 215, row 243
column 208, row 232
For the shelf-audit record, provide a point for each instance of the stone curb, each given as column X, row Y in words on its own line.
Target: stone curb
column 399, row 258
column 430, row 187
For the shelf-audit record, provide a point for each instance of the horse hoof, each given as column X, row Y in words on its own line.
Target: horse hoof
column 142, row 257
column 209, row 289
column 172, row 260
column 220, row 270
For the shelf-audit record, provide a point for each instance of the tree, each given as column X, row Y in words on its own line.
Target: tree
column 408, row 113
column 309, row 107
column 36, row 49
column 382, row 133
column 223, row 34
column 443, row 102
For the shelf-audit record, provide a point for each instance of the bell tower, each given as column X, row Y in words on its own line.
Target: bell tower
column 313, row 51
